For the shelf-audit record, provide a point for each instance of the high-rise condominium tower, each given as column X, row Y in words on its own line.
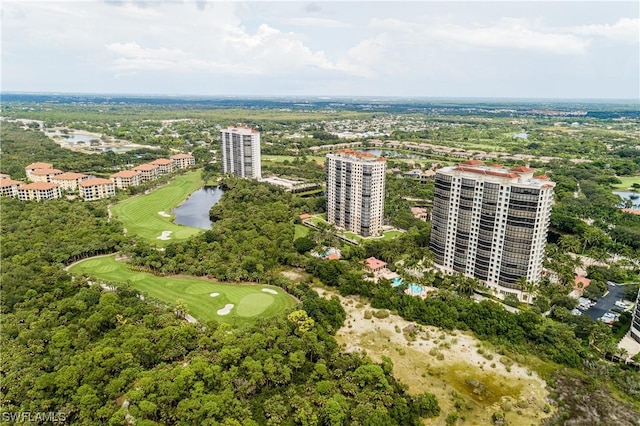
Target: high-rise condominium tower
column 635, row 322
column 240, row 147
column 355, row 191
column 491, row 223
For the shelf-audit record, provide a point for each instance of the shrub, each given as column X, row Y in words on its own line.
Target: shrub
column 381, row 314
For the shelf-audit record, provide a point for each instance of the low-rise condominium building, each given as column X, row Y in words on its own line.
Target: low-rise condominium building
column 165, row 166
column 183, row 161
column 125, row 179
column 147, row 172
column 69, row 181
column 9, row 187
column 39, row 191
column 36, row 166
column 97, row 188
column 45, row 175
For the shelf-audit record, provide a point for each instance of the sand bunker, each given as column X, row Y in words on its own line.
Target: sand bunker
column 227, row 308
column 164, row 214
column 214, row 294
column 166, row 235
column 268, row 290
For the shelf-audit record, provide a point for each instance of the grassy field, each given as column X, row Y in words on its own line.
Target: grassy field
column 249, row 300
column 627, row 181
column 141, row 215
column 386, row 235
column 301, row 231
column 281, row 158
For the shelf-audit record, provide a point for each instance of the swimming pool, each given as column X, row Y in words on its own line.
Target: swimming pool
column 415, row 289
column 397, row 281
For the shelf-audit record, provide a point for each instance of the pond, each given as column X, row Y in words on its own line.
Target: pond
column 633, row 197
column 194, row 211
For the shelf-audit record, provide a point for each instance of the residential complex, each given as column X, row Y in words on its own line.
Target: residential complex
column 9, row 187
column 183, row 161
column 39, row 191
column 44, row 175
column 125, row 179
column 97, row 188
column 36, row 166
column 165, row 166
column 491, row 223
column 240, row 148
column 355, row 191
column 634, row 332
column 69, row 181
column 49, row 183
column 147, row 171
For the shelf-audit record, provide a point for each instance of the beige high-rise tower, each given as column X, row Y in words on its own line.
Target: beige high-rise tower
column 355, row 191
column 240, row 149
column 491, row 223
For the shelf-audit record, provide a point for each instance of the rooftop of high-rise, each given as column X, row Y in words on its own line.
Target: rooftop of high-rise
column 357, row 155
column 498, row 173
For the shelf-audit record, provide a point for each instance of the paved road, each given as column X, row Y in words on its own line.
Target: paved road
column 606, row 303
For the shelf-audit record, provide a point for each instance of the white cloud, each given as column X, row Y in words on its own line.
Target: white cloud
column 267, row 51
column 624, row 30
column 507, row 33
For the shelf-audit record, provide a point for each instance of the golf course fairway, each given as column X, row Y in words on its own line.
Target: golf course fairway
column 237, row 303
column 148, row 215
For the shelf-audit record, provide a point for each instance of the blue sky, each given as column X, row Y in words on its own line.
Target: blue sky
column 514, row 49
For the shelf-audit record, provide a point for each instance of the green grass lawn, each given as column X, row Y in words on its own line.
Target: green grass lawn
column 140, row 215
column 627, row 181
column 301, row 231
column 281, row 158
column 248, row 300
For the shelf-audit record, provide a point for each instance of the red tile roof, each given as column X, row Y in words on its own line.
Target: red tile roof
column 521, row 169
column 145, row 167
column 373, row 263
column 34, row 166
column 95, row 182
column 631, row 211
column 304, row 216
column 44, row 172
column 39, row 186
column 9, row 182
column 473, row 163
column 333, row 256
column 162, row 162
column 126, row 174
column 181, row 156
column 70, row 176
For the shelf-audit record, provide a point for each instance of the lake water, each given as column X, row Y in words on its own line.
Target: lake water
column 194, row 211
column 633, row 196
column 392, row 153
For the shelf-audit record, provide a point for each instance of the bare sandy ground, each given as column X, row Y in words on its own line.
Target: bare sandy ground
column 269, row 290
column 164, row 214
column 445, row 363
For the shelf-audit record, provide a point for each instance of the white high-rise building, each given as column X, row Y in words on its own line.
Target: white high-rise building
column 491, row 223
column 634, row 332
column 355, row 191
column 240, row 148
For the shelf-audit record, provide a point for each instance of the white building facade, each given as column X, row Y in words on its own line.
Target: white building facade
column 491, row 223
column 240, row 149
column 355, row 192
column 634, row 331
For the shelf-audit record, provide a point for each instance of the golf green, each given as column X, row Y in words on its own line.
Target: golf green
column 148, row 215
column 204, row 299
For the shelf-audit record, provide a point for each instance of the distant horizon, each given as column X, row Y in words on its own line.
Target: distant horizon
column 315, row 96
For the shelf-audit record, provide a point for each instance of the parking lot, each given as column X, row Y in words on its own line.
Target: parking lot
column 607, row 302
